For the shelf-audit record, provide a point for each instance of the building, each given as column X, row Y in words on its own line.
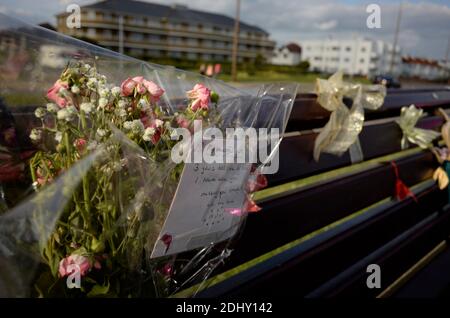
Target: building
column 159, row 31
column 422, row 68
column 357, row 56
column 289, row 54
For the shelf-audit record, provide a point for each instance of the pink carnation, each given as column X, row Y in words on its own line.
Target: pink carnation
column 53, row 93
column 74, row 263
column 200, row 96
column 142, row 86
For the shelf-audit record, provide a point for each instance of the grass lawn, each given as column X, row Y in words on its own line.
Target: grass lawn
column 272, row 76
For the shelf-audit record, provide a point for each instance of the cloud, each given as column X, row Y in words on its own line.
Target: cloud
column 327, row 25
column 424, row 27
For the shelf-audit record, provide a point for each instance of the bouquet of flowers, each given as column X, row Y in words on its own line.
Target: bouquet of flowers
column 101, row 178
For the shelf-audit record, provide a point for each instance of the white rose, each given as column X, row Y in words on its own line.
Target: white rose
column 101, row 133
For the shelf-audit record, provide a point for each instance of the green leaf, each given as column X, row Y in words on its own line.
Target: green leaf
column 99, row 290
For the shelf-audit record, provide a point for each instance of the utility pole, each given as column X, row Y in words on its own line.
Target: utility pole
column 235, row 42
column 397, row 31
column 447, row 55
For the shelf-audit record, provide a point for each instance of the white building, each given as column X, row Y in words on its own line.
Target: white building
column 289, row 54
column 422, row 68
column 353, row 56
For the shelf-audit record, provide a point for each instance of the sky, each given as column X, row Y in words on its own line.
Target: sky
column 424, row 29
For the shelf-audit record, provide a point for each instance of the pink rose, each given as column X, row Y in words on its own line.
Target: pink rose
column 53, row 93
column 155, row 91
column 127, row 87
column 200, row 96
column 74, row 263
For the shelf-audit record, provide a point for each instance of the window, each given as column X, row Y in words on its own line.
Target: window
column 361, row 61
column 285, row 55
column 348, row 48
column 363, row 49
column 346, row 60
column 317, row 58
column 335, row 48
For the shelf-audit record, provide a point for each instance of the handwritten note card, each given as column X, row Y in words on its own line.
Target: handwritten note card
column 202, row 210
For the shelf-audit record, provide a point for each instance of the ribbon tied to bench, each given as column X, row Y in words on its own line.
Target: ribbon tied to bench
column 341, row 132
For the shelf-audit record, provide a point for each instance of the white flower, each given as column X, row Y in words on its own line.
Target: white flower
column 136, row 126
column 148, row 134
column 87, row 107
column 159, row 123
column 40, row 112
column 75, row 89
column 101, row 133
column 115, row 91
column 116, row 166
column 123, row 104
column 63, row 114
column 67, row 113
column 92, row 83
column 127, row 125
column 104, row 92
column 143, row 104
column 121, row 112
column 86, row 67
column 58, row 136
column 102, row 102
column 52, row 107
column 35, row 134
column 103, row 79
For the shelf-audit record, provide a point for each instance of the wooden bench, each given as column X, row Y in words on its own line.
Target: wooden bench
column 322, row 223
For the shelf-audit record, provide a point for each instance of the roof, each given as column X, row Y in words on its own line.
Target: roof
column 418, row 60
column 174, row 12
column 294, row 48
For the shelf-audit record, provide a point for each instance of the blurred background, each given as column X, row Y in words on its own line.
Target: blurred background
column 248, row 42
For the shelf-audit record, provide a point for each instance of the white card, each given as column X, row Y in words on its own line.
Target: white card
column 203, row 209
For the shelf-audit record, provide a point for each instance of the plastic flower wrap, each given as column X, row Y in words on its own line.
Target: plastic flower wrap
column 88, row 187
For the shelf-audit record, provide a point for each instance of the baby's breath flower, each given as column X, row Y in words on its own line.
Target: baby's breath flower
column 58, row 136
column 92, row 145
column 102, row 102
column 104, row 92
column 115, row 91
column 75, row 89
column 87, row 107
column 148, row 134
column 40, row 112
column 123, row 104
column 101, row 133
column 36, row 134
column 121, row 112
column 52, row 108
